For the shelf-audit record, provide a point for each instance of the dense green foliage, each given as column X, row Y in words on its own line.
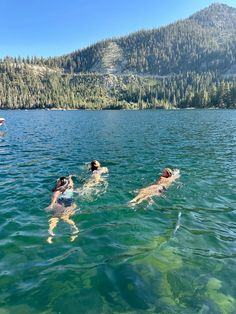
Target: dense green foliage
column 24, row 86
column 181, row 65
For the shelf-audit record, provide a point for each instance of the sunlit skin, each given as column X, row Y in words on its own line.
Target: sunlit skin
column 62, row 213
column 96, row 177
column 157, row 188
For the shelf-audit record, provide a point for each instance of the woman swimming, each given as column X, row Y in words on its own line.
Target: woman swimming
column 62, row 206
column 95, row 177
column 167, row 177
column 96, row 168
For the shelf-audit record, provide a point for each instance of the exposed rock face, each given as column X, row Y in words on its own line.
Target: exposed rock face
column 112, row 61
column 204, row 42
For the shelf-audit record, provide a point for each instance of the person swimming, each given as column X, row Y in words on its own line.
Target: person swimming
column 167, row 177
column 95, row 167
column 62, row 206
column 96, row 175
column 96, row 183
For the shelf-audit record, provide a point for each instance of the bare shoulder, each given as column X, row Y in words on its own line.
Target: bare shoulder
column 176, row 174
column 167, row 181
column 104, row 170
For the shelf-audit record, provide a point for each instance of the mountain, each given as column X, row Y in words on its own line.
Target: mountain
column 206, row 41
column 190, row 63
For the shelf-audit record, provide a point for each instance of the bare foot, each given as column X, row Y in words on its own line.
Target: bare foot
column 131, row 203
column 49, row 240
column 74, row 233
column 73, row 237
column 75, row 230
column 52, row 234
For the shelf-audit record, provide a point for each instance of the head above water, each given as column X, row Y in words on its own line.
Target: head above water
column 61, row 185
column 167, row 172
column 95, row 165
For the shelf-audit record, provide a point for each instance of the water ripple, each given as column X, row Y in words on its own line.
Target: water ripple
column 161, row 257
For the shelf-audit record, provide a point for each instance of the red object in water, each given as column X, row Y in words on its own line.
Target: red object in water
column 2, row 121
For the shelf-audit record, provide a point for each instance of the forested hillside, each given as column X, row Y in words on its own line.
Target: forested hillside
column 190, row 63
column 204, row 42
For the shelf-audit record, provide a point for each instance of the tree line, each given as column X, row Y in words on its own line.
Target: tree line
column 28, row 85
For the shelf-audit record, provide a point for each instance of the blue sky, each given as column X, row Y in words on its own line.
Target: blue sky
column 56, row 27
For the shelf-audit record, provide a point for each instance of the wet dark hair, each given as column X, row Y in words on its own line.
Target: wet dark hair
column 93, row 165
column 61, row 185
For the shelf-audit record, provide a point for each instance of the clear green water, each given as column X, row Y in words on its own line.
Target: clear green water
column 124, row 260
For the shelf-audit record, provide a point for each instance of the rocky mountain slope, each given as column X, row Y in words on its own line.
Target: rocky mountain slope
column 206, row 41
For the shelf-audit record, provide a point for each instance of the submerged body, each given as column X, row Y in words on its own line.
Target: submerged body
column 157, row 188
column 62, row 206
column 96, row 176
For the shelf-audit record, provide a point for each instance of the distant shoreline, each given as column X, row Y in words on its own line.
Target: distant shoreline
column 112, row 109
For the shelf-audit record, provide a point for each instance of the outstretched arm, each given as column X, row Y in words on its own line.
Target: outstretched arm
column 71, row 183
column 174, row 177
column 176, row 174
column 104, row 170
column 54, row 199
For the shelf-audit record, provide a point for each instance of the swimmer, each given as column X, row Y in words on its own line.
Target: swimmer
column 62, row 206
column 96, row 168
column 167, row 177
column 95, row 177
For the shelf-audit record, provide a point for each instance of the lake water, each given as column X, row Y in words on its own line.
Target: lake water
column 174, row 255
